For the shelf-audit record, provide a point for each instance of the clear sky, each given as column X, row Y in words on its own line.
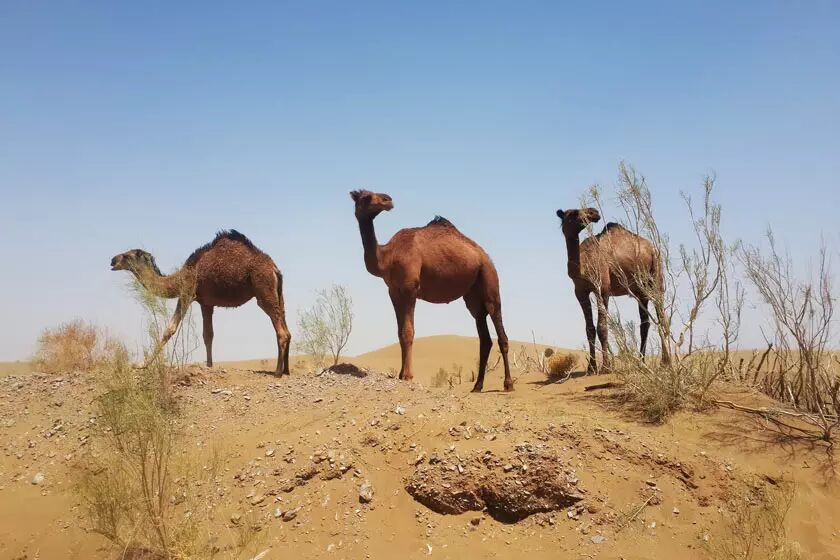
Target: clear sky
column 153, row 124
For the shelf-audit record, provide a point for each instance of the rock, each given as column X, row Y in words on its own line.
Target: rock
column 236, row 518
column 475, row 521
column 257, row 500
column 291, row 514
column 399, row 410
column 269, row 453
column 366, row 493
column 676, row 511
column 598, row 539
column 507, row 495
column 38, row 479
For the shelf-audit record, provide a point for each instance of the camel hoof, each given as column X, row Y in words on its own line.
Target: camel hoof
column 509, row 388
column 477, row 389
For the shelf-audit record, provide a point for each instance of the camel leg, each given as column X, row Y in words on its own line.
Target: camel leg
column 284, row 340
column 404, row 310
column 644, row 325
column 501, row 335
column 171, row 329
column 603, row 330
column 207, row 319
column 479, row 313
column 586, row 307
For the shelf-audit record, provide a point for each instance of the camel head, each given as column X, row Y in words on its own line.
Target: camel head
column 575, row 221
column 134, row 261
column 370, row 204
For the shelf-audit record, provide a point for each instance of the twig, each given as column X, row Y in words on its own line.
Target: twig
column 636, row 513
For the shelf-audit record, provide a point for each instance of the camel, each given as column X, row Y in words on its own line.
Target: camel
column 438, row 264
column 622, row 262
column 227, row 272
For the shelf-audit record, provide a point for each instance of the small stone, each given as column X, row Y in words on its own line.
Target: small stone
column 236, row 518
column 269, row 453
column 475, row 521
column 290, row 515
column 366, row 493
column 507, row 468
column 599, row 539
column 38, row 479
column 676, row 511
column 399, row 410
column 256, row 500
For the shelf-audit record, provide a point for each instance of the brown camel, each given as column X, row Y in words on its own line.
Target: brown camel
column 438, row 264
column 622, row 262
column 227, row 272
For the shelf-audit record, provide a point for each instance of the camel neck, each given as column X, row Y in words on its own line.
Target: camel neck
column 573, row 251
column 160, row 285
column 370, row 245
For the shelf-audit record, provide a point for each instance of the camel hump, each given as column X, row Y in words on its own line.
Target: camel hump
column 441, row 221
column 613, row 225
column 233, row 235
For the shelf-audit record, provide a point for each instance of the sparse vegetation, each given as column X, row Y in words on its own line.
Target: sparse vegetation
column 802, row 371
column 325, row 328
column 447, row 378
column 75, row 346
column 560, row 365
column 755, row 528
column 137, row 489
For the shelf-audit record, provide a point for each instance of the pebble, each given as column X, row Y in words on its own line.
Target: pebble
column 599, row 539
column 366, row 493
column 38, row 479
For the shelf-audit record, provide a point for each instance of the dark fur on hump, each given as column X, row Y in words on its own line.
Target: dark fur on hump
column 228, row 234
column 441, row 221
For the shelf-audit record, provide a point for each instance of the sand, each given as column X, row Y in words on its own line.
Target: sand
column 387, row 432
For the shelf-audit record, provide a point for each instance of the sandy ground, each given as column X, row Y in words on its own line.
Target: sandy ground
column 303, row 446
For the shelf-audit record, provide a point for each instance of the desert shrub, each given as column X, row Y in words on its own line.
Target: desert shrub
column 688, row 285
column 802, row 371
column 560, row 365
column 75, row 346
column 138, row 488
column 325, row 327
column 754, row 529
column 446, row 378
column 549, row 352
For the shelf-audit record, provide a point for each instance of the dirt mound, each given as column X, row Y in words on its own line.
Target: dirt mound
column 345, row 369
column 534, row 480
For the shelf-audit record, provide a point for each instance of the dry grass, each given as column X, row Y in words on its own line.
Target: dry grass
column 75, row 346
column 140, row 489
column 560, row 365
column 755, row 528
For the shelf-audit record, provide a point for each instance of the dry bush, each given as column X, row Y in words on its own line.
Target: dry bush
column 560, row 365
column 446, row 378
column 531, row 358
column 325, row 328
column 139, row 488
column 802, row 372
column 693, row 284
column 75, row 346
column 755, row 528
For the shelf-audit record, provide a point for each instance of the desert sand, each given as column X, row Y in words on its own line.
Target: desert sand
column 298, row 449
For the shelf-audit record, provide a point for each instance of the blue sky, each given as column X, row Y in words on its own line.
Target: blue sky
column 155, row 124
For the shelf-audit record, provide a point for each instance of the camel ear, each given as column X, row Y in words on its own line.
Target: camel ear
column 561, row 214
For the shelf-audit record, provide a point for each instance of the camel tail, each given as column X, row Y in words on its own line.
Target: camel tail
column 280, row 290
